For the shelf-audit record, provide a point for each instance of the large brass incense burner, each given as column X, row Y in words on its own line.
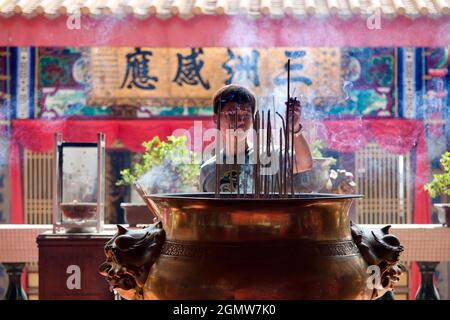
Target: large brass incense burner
column 203, row 247
column 270, row 243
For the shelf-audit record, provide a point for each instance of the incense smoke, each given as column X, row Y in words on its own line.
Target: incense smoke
column 164, row 178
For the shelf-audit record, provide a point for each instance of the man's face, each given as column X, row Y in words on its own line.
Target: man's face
column 235, row 115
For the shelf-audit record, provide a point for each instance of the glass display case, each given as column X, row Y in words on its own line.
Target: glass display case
column 78, row 185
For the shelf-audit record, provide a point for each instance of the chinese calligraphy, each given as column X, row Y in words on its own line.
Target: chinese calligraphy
column 295, row 69
column 189, row 67
column 188, row 76
column 244, row 68
column 138, row 72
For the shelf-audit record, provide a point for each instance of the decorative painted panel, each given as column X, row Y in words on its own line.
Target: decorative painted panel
column 190, row 76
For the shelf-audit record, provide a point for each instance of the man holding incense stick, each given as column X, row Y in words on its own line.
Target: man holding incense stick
column 243, row 167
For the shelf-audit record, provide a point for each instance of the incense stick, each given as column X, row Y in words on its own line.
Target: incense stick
column 264, row 153
column 257, row 183
column 218, row 139
column 268, row 145
column 280, row 170
column 236, row 151
column 286, row 151
column 292, row 147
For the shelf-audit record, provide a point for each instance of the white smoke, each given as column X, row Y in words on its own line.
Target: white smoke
column 163, row 178
column 244, row 32
column 103, row 28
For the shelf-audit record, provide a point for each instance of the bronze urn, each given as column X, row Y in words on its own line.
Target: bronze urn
column 300, row 247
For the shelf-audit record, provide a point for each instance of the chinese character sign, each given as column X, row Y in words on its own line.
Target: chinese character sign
column 242, row 68
column 189, row 69
column 137, row 73
column 190, row 76
column 296, row 67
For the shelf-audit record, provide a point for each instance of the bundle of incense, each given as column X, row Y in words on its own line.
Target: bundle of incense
column 263, row 144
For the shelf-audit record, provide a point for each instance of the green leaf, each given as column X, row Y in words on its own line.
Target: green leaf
column 440, row 185
column 174, row 152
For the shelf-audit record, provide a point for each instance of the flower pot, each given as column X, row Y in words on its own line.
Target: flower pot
column 443, row 213
column 136, row 213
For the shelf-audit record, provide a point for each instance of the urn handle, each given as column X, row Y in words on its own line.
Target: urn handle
column 130, row 255
column 381, row 250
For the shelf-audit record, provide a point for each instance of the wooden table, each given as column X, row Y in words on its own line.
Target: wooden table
column 68, row 266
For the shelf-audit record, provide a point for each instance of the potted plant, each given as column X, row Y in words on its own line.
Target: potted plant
column 440, row 186
column 165, row 167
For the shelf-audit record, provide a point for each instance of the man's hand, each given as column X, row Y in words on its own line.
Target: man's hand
column 295, row 104
column 342, row 182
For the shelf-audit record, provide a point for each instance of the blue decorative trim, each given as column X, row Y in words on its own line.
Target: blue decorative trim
column 446, row 113
column 419, row 81
column 400, row 85
column 13, row 82
column 31, row 93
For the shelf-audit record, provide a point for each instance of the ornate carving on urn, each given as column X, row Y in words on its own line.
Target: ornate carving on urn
column 130, row 256
column 381, row 249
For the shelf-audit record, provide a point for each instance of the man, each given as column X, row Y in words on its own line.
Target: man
column 237, row 107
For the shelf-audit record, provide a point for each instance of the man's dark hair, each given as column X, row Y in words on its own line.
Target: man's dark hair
column 233, row 93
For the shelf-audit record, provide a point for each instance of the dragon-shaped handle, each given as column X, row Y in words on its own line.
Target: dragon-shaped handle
column 381, row 250
column 130, row 255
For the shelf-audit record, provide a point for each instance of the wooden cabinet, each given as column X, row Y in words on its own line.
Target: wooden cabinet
column 68, row 267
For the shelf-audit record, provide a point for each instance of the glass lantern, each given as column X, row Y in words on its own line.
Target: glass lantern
column 78, row 185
